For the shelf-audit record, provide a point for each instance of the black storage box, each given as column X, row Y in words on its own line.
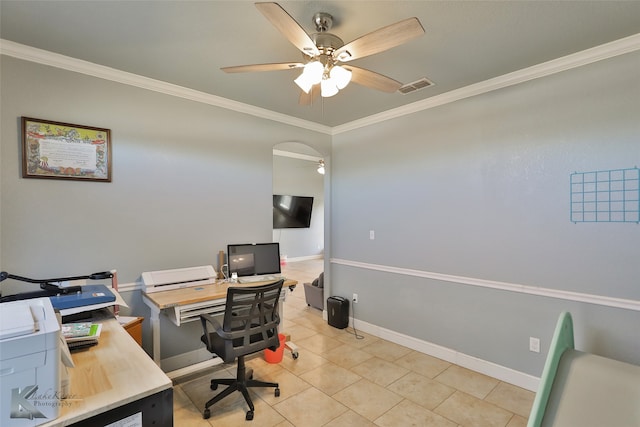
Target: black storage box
column 338, row 312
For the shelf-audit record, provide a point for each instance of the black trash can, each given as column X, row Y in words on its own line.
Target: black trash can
column 338, row 312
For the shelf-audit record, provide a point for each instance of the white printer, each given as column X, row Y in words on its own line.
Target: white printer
column 29, row 363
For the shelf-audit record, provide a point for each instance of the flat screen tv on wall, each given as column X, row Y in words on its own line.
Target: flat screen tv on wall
column 292, row 211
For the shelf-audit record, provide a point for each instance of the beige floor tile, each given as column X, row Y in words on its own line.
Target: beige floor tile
column 333, row 332
column 517, row 421
column 199, row 390
column 423, row 364
column 231, row 410
column 350, row 419
column 367, row 399
column 299, row 332
column 469, row 411
column 330, row 378
column 310, row 408
column 347, row 356
column 466, row 380
column 189, row 417
column 180, row 398
column 349, row 337
column 387, row 350
column 185, row 412
column 421, row 390
column 380, row 371
column 407, row 413
column 311, row 322
column 318, row 343
column 512, row 398
column 234, row 415
column 306, row 361
column 290, row 385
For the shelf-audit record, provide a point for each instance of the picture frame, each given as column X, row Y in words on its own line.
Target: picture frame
column 56, row 150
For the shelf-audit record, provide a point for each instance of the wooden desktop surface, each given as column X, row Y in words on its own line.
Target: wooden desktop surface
column 113, row 373
column 195, row 294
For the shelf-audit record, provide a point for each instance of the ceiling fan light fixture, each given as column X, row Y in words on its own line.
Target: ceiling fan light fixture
column 314, row 70
column 328, row 87
column 341, row 76
column 304, row 82
column 311, row 75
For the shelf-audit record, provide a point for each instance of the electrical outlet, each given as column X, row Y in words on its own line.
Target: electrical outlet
column 355, row 298
column 372, row 234
column 534, row 344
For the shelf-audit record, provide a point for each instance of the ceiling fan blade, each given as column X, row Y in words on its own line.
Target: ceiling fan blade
column 308, row 98
column 288, row 27
column 373, row 80
column 380, row 40
column 263, row 67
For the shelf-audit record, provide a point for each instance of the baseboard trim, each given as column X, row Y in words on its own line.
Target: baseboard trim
column 502, row 373
column 305, row 258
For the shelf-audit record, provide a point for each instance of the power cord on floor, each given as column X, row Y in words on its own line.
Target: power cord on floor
column 353, row 323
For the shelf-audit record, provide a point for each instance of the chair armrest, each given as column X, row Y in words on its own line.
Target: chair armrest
column 209, row 319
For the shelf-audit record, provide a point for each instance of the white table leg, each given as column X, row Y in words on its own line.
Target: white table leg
column 155, row 330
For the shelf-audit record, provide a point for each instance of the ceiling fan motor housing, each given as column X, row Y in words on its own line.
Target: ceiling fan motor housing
column 323, row 21
column 327, row 42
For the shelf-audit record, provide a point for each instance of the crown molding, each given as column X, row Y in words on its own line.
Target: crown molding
column 575, row 60
column 56, row 60
column 585, row 57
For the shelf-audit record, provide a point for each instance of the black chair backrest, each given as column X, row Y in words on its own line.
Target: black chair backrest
column 251, row 318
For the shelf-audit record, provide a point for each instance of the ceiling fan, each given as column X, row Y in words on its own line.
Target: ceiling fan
column 325, row 53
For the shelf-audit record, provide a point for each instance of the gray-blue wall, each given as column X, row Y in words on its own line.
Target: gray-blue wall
column 188, row 179
column 479, row 188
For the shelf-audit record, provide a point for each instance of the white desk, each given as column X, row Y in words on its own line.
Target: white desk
column 186, row 304
column 113, row 380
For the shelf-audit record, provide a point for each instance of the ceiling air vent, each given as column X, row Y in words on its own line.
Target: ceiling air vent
column 414, row 86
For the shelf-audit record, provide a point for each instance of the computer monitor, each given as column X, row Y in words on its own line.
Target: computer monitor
column 254, row 259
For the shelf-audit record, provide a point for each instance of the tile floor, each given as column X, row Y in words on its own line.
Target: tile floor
column 339, row 380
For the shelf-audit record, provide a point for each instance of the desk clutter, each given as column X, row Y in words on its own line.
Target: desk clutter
column 81, row 335
column 43, row 384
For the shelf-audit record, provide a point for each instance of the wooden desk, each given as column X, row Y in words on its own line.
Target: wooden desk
column 113, row 380
column 186, row 304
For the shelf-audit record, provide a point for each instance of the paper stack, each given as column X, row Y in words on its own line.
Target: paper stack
column 81, row 335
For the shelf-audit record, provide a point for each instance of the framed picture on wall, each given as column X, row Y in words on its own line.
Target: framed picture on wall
column 65, row 151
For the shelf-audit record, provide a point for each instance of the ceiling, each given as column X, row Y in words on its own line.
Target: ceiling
column 187, row 42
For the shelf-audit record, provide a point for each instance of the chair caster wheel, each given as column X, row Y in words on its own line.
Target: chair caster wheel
column 277, row 392
column 294, row 355
column 214, row 386
column 249, row 416
column 206, row 414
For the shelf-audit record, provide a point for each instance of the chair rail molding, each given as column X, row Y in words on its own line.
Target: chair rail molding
column 627, row 304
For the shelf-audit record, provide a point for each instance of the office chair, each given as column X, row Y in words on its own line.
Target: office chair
column 250, row 325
